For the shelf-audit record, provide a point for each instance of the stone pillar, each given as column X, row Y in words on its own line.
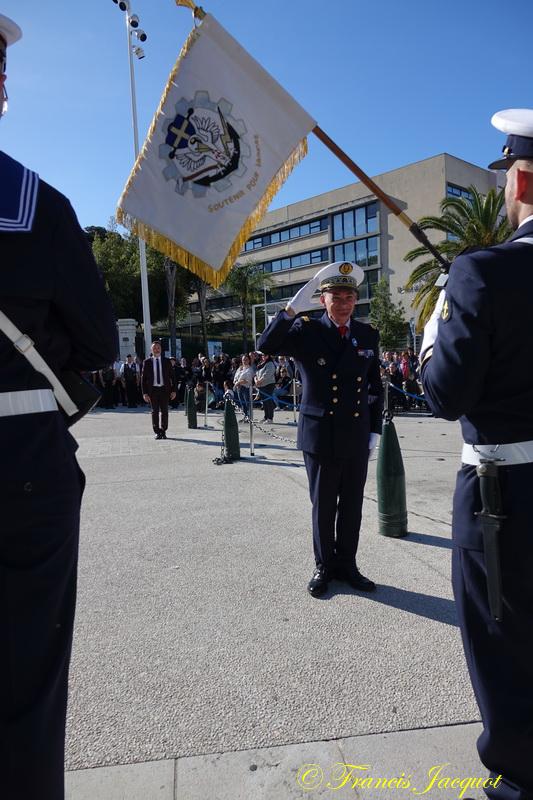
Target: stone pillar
column 126, row 337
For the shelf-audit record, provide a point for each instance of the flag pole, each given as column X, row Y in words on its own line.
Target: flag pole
column 374, row 188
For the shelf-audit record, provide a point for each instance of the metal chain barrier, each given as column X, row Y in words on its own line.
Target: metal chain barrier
column 222, row 459
column 253, row 424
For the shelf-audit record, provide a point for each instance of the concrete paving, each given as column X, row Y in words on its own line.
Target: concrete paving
column 202, row 667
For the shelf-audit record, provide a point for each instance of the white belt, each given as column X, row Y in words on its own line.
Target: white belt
column 25, row 346
column 32, row 401
column 504, row 454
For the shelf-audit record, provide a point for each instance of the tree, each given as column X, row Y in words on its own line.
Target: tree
column 387, row 317
column 247, row 281
column 466, row 223
column 118, row 259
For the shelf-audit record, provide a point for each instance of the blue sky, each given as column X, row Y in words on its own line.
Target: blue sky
column 391, row 82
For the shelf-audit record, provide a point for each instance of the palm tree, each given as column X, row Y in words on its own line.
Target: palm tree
column 474, row 222
column 247, row 281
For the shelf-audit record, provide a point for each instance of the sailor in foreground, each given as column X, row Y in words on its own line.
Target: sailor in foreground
column 475, row 349
column 340, row 413
column 55, row 318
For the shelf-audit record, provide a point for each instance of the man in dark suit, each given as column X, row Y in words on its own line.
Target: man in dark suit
column 51, row 290
column 473, row 355
column 340, row 413
column 158, row 388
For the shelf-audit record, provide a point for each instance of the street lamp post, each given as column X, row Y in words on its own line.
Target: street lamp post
column 132, row 29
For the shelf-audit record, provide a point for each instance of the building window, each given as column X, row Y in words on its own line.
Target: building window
column 458, row 191
column 283, row 292
column 364, row 252
column 254, row 244
column 356, row 222
column 298, row 260
column 366, row 288
column 294, row 232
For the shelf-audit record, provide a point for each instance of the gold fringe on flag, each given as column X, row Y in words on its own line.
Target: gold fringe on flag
column 181, row 256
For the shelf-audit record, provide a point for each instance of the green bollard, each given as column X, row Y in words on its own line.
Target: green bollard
column 390, row 474
column 192, row 421
column 231, row 433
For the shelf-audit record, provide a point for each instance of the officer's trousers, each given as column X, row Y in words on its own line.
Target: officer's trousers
column 499, row 654
column 336, row 488
column 38, row 568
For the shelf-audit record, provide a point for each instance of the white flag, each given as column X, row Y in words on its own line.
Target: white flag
column 225, row 137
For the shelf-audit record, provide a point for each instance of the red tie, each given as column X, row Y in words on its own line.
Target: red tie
column 342, row 330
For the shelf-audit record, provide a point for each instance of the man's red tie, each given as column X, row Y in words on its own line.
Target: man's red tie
column 342, row 330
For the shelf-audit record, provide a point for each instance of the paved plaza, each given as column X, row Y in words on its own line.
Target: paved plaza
column 202, row 668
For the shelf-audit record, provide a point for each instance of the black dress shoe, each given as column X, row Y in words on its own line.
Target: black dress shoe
column 163, row 435
column 357, row 581
column 318, row 583
column 158, row 436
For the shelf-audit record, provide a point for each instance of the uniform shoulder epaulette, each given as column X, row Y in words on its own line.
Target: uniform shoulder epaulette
column 304, row 319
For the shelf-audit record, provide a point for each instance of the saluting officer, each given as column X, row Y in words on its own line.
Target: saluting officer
column 340, row 413
column 473, row 355
column 50, row 289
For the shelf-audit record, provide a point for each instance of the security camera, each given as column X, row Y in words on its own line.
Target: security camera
column 141, row 35
column 139, row 52
column 124, row 5
column 134, row 21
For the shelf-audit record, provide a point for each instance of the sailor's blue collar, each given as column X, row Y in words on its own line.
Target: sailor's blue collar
column 18, row 196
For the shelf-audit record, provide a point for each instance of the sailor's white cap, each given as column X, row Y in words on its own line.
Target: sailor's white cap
column 9, row 30
column 517, row 123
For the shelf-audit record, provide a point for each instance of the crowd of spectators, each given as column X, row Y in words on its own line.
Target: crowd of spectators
column 402, row 371
column 221, row 377
column 225, row 377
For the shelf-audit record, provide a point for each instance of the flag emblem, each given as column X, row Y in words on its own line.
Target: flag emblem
column 204, row 145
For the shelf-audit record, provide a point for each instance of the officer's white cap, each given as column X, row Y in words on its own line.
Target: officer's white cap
column 341, row 275
column 9, row 30
column 517, row 123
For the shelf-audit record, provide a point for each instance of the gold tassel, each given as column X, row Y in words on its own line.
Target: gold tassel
column 198, row 12
column 191, row 262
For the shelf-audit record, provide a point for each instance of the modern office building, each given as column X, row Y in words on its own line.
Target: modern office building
column 349, row 224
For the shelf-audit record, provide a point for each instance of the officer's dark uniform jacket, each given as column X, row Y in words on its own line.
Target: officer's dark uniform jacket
column 479, row 372
column 342, row 392
column 51, row 290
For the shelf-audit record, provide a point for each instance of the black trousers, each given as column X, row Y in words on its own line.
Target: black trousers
column 499, row 655
column 159, row 402
column 131, row 393
column 268, row 403
column 336, row 488
column 38, row 571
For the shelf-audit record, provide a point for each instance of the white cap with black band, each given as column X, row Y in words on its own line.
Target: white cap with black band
column 9, row 30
